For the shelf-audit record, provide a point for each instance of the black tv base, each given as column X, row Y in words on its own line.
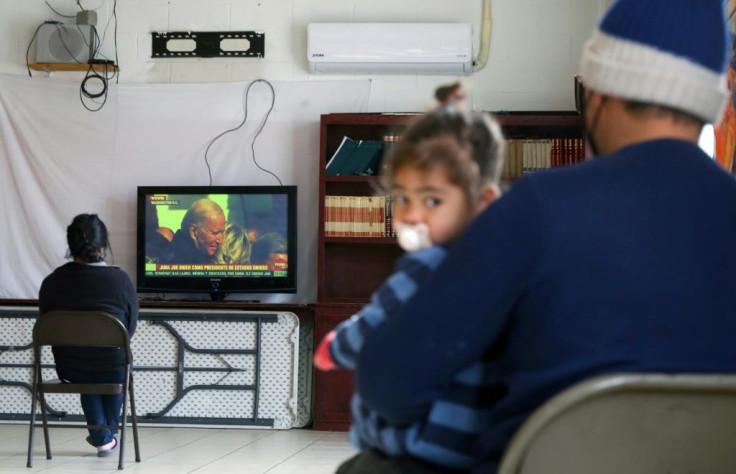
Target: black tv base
column 217, row 295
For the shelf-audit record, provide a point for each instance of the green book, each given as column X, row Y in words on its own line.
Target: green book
column 373, row 166
column 362, row 157
column 341, row 157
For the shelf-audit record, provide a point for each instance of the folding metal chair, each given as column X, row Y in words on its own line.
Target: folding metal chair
column 631, row 423
column 81, row 329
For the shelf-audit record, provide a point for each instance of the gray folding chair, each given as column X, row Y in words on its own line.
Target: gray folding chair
column 80, row 329
column 632, row 424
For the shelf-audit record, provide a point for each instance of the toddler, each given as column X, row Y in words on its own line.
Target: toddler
column 442, row 174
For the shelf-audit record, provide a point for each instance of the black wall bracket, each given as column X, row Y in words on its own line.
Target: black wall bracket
column 208, row 44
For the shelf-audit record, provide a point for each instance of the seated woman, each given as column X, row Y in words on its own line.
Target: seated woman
column 88, row 283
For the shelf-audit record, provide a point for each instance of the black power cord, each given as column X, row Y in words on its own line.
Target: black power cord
column 92, row 77
column 30, row 43
column 60, row 14
column 260, row 129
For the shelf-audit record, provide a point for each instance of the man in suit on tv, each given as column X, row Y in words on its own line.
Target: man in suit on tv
column 200, row 236
column 618, row 264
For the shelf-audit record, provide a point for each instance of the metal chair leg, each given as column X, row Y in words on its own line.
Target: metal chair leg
column 44, row 418
column 124, row 417
column 134, row 418
column 32, row 430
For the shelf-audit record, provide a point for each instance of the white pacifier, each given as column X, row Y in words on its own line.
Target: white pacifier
column 413, row 237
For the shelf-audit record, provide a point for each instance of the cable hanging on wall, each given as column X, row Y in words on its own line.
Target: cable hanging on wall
column 94, row 86
column 258, row 132
column 78, row 43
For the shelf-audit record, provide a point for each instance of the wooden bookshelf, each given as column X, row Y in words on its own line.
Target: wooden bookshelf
column 349, row 269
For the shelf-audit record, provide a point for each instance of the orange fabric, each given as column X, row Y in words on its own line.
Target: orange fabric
column 726, row 131
column 322, row 359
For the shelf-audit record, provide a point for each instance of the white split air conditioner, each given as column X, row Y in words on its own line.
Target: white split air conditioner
column 390, row 48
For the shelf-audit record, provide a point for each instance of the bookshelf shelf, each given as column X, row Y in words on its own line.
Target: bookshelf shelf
column 351, row 179
column 349, row 269
column 565, row 119
column 361, row 240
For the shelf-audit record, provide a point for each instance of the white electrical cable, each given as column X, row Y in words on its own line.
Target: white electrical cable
column 485, row 38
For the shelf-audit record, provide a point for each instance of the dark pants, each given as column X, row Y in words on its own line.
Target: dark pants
column 98, row 409
column 374, row 462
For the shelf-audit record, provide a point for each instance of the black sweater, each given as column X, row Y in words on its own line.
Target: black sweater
column 79, row 286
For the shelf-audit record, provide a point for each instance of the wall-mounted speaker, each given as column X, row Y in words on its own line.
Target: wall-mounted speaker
column 59, row 43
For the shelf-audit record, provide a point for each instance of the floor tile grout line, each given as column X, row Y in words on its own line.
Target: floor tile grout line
column 284, row 450
column 327, row 433
column 232, row 452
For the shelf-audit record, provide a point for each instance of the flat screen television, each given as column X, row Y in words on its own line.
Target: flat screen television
column 216, row 239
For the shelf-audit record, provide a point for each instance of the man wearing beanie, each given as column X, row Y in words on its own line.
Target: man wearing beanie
column 619, row 264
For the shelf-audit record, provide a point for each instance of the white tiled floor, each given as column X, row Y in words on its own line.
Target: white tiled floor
column 182, row 450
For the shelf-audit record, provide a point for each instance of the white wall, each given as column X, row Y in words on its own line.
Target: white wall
column 534, row 54
column 535, row 44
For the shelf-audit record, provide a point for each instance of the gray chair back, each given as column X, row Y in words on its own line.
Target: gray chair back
column 79, row 328
column 632, row 424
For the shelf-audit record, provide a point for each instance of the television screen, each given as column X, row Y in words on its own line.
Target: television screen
column 216, row 239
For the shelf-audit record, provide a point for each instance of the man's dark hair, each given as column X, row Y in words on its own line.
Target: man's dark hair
column 643, row 109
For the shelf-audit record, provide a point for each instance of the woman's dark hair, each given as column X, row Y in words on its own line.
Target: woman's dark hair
column 86, row 235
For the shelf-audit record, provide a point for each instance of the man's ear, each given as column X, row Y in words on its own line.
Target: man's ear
column 192, row 234
column 488, row 193
column 593, row 101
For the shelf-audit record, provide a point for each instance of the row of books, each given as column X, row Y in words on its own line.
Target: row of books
column 355, row 157
column 530, row 155
column 358, row 216
column 363, row 157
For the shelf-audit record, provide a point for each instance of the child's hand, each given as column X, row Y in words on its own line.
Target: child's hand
column 322, row 359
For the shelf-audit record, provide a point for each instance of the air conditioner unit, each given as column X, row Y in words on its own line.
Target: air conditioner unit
column 59, row 43
column 390, row 48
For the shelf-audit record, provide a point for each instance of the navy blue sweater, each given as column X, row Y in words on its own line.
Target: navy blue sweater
column 623, row 263
column 80, row 286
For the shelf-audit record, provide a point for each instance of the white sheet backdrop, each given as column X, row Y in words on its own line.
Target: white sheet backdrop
column 58, row 160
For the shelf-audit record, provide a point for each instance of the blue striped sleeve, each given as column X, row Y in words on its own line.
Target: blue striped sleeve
column 412, row 270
